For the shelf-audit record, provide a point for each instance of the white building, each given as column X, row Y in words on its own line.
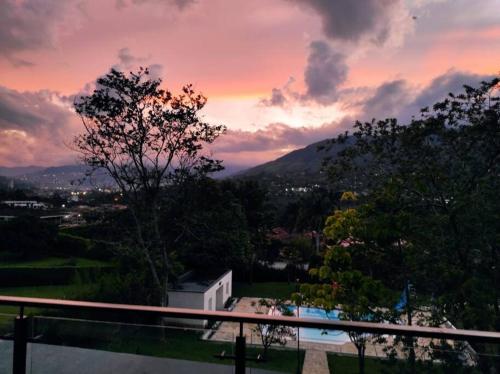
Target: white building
column 30, row 204
column 194, row 292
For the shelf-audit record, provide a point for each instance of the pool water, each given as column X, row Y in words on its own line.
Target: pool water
column 317, row 335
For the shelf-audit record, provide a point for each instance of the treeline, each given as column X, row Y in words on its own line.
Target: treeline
column 29, row 238
column 213, row 224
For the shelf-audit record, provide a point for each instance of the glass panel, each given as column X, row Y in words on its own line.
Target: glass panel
column 6, row 346
column 389, row 353
column 283, row 354
column 83, row 346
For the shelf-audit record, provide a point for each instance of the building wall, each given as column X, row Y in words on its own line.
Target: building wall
column 192, row 300
column 205, row 301
column 227, row 283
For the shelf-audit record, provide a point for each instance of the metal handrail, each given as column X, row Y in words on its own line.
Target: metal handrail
column 354, row 326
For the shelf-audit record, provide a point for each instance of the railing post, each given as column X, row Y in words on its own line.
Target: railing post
column 240, row 352
column 20, row 344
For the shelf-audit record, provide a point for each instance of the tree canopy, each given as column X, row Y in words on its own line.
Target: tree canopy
column 148, row 140
column 426, row 210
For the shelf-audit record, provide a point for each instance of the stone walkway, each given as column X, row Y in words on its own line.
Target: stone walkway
column 315, row 362
column 228, row 331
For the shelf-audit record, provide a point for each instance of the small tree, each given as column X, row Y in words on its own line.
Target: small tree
column 147, row 140
column 273, row 334
column 359, row 297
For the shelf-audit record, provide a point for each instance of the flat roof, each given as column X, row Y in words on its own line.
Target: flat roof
column 193, row 282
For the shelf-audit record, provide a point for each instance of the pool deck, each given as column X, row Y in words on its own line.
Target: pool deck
column 227, row 331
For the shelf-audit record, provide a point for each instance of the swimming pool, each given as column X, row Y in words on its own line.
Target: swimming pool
column 317, row 335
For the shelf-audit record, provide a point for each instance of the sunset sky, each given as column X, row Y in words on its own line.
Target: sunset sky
column 280, row 74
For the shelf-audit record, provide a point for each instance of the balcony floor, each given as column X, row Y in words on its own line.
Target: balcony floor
column 52, row 359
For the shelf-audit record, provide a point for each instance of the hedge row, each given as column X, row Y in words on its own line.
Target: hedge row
column 29, row 276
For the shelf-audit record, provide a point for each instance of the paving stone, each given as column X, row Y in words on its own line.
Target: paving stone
column 315, row 362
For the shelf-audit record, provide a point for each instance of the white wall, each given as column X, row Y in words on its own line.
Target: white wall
column 195, row 300
column 190, row 300
column 226, row 282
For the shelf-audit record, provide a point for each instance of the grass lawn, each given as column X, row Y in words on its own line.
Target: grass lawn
column 349, row 365
column 272, row 290
column 177, row 343
column 51, row 262
column 186, row 348
column 66, row 291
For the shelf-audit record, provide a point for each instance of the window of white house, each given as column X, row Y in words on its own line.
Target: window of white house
column 210, row 304
column 227, row 288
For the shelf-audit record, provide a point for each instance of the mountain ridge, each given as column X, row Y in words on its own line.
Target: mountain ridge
column 16, row 171
column 301, row 166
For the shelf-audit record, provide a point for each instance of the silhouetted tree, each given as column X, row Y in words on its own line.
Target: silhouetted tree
column 147, row 139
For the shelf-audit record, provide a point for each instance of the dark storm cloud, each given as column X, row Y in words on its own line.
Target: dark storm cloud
column 400, row 100
column 325, row 71
column 281, row 97
column 397, row 98
column 128, row 61
column 27, row 25
column 35, row 128
column 450, row 82
column 32, row 112
column 278, row 98
column 13, row 115
column 125, row 57
column 354, row 20
column 388, row 100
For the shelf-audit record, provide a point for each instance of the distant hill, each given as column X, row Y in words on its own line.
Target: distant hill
column 73, row 176
column 19, row 171
column 297, row 167
column 66, row 176
column 229, row 170
column 69, row 176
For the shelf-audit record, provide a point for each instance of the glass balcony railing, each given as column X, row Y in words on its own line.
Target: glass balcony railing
column 6, row 342
column 82, row 337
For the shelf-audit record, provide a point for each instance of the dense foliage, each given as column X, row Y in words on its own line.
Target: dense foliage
column 27, row 237
column 428, row 210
